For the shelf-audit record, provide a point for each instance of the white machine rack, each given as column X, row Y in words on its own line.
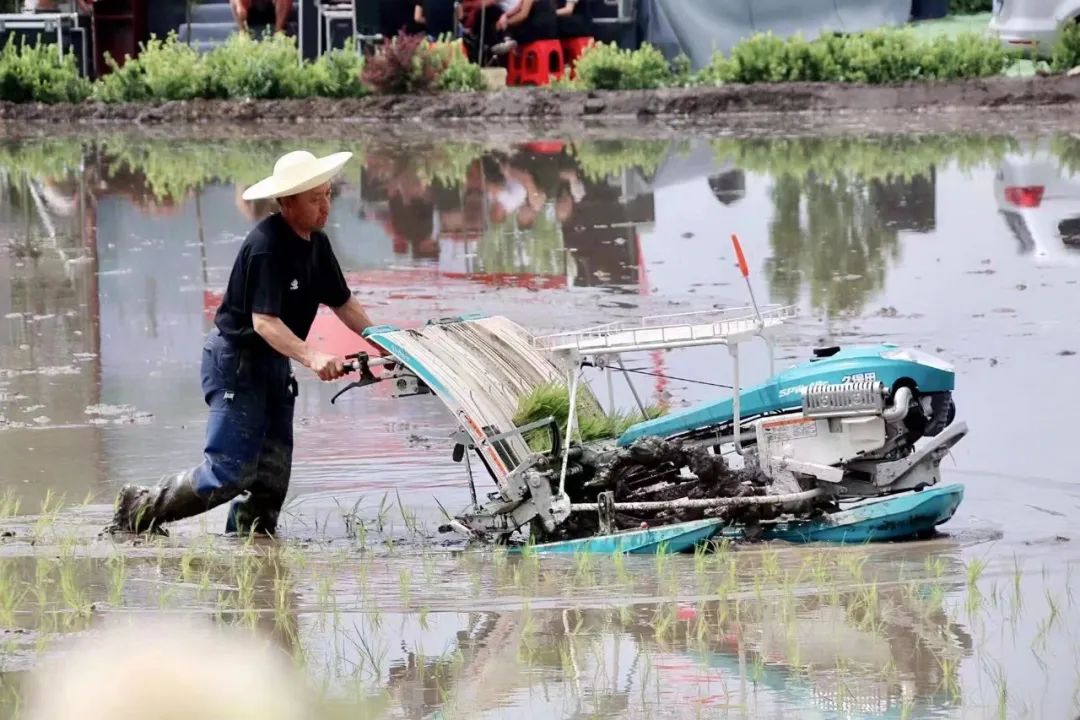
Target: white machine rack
column 603, row 345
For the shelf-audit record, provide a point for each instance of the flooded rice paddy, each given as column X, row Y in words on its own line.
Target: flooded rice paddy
column 114, row 252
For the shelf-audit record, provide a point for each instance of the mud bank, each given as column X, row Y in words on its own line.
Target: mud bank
column 710, row 106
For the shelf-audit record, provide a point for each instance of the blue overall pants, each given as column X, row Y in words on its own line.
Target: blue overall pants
column 249, row 433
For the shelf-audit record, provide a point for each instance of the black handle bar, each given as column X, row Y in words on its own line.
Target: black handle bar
column 361, row 363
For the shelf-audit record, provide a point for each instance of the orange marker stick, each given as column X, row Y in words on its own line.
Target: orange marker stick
column 739, row 255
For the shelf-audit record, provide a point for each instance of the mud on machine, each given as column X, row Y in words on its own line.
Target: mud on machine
column 844, row 447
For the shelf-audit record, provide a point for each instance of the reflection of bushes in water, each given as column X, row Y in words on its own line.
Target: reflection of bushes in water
column 840, row 253
column 600, row 159
column 537, row 250
column 448, row 163
column 894, row 156
column 1066, row 148
column 43, row 159
column 173, row 168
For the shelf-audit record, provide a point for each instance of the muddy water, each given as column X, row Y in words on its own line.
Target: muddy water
column 117, row 250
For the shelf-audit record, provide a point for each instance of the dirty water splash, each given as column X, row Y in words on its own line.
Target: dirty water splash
column 115, row 251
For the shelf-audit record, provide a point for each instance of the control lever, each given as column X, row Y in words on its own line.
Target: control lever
column 360, row 362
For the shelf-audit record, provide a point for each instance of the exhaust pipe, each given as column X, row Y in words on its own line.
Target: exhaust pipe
column 899, row 409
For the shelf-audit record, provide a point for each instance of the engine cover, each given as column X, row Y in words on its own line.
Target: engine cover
column 812, row 445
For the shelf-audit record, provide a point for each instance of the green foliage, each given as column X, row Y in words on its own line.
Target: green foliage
column 605, row 66
column 270, row 68
column 447, row 163
column 876, row 57
column 591, row 423
column 1066, row 53
column 167, row 69
column 172, row 168
column 337, row 73
column 267, row 69
column 458, row 74
column 36, row 73
column 600, row 159
column 164, row 70
column 968, row 55
column 868, row 158
column 43, row 158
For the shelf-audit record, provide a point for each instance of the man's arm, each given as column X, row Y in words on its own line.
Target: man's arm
column 353, row 314
column 282, row 339
column 519, row 14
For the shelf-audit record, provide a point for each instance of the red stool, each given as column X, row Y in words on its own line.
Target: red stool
column 572, row 50
column 535, row 63
column 545, row 147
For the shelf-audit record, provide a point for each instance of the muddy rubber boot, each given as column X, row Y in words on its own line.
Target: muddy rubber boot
column 145, row 509
column 244, row 519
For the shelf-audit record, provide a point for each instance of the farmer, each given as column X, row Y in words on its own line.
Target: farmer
column 285, row 268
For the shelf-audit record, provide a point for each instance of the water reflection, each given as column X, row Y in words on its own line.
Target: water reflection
column 743, row 633
column 116, row 251
column 118, row 248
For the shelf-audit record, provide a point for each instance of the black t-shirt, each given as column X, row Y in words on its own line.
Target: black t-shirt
column 279, row 273
column 438, row 16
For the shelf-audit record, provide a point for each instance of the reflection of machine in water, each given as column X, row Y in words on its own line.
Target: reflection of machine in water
column 1038, row 196
column 863, row 650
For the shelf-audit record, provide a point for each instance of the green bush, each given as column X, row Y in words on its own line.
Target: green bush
column 866, row 158
column 267, row 69
column 874, row 57
column 458, row 74
column 36, row 73
column 244, row 68
column 1066, row 52
column 337, row 73
column 605, row 66
column 164, row 70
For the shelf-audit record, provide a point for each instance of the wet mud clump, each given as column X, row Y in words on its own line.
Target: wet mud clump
column 651, row 470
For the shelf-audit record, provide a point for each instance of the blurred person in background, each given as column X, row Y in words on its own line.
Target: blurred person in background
column 169, row 670
column 261, row 12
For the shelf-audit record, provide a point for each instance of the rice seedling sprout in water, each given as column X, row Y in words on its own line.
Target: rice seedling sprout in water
column 405, row 585
column 9, row 503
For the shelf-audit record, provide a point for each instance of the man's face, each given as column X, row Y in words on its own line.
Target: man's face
column 310, row 209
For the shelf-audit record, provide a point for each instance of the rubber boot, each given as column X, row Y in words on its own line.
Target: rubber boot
column 245, row 517
column 144, row 509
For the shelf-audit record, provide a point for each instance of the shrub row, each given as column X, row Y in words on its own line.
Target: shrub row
column 877, row 56
column 271, row 68
column 173, row 167
column 240, row 68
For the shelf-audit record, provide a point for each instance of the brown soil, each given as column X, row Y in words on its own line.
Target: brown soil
column 721, row 106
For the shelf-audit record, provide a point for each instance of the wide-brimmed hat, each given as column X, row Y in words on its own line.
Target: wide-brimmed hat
column 295, row 172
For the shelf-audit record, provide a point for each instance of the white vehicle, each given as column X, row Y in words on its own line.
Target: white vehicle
column 1033, row 24
column 1040, row 202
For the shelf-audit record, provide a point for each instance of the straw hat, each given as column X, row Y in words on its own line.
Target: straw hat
column 295, row 172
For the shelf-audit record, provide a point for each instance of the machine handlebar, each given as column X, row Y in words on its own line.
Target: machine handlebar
column 362, row 363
